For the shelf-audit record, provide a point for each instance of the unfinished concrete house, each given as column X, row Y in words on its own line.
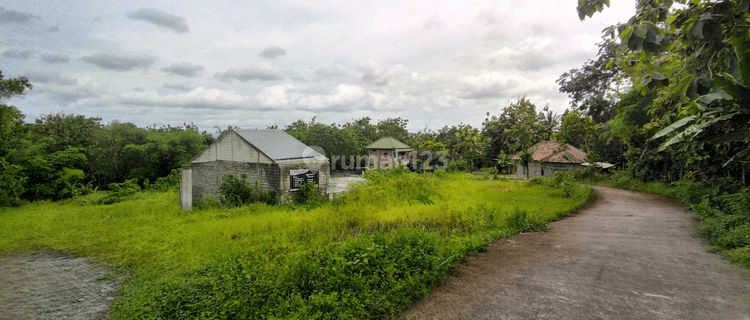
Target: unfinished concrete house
column 276, row 159
column 551, row 156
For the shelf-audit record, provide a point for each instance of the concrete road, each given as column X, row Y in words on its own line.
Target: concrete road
column 628, row 255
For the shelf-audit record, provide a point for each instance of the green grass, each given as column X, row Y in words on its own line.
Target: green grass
column 369, row 254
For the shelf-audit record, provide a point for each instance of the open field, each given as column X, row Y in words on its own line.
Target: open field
column 369, row 254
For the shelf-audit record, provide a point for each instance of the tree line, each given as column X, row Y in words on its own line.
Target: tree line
column 59, row 156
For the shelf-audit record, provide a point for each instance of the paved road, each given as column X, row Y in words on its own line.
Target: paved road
column 627, row 256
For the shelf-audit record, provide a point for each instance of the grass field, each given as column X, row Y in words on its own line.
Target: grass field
column 369, row 254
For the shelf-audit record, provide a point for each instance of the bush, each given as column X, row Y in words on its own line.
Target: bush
column 208, row 201
column 309, row 194
column 121, row 191
column 236, row 192
column 171, row 181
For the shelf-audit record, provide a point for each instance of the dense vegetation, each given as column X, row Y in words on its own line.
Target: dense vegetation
column 61, row 156
column 368, row 255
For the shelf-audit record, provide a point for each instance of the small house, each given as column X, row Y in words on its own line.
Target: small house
column 389, row 150
column 278, row 161
column 551, row 156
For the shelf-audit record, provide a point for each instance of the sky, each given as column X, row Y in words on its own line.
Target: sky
column 255, row 64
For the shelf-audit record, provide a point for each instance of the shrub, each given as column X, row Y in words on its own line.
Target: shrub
column 235, row 192
column 171, row 181
column 208, row 201
column 309, row 194
column 121, row 191
column 536, row 180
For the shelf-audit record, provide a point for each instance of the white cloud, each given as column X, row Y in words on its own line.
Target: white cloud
column 496, row 85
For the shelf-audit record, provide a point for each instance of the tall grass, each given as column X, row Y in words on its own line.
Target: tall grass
column 367, row 255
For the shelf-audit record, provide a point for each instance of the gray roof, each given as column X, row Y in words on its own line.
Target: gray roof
column 277, row 144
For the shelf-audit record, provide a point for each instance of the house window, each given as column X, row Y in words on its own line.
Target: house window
column 385, row 154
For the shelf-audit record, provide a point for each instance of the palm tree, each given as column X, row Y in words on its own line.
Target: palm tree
column 550, row 120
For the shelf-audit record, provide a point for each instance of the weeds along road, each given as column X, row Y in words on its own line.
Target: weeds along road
column 628, row 255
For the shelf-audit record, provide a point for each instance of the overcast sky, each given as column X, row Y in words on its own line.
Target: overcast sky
column 259, row 63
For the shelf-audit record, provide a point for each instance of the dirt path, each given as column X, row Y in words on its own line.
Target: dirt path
column 53, row 285
column 628, row 256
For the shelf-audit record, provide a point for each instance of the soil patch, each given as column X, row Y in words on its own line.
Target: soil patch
column 54, row 285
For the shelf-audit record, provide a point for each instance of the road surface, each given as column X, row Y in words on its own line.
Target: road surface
column 629, row 255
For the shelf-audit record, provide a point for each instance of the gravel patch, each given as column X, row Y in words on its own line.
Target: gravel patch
column 54, row 285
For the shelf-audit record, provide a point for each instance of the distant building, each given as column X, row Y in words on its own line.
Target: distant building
column 388, row 150
column 551, row 156
column 276, row 159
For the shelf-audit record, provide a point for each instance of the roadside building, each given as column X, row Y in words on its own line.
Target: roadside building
column 551, row 156
column 278, row 161
column 388, row 150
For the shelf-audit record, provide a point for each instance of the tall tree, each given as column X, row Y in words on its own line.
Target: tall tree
column 594, row 87
column 695, row 59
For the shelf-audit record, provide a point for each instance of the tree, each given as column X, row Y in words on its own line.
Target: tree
column 550, row 121
column 393, row 127
column 12, row 134
column 578, row 129
column 595, row 86
column 470, row 145
column 694, row 58
column 518, row 120
column 527, row 157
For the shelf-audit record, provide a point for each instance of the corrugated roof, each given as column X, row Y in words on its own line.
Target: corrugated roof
column 389, row 143
column 277, row 144
column 553, row 151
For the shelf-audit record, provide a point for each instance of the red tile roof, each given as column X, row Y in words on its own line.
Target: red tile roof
column 553, row 151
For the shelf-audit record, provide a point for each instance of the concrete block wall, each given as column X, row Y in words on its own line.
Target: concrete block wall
column 207, row 176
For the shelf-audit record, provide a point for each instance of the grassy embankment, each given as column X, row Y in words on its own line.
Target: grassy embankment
column 368, row 255
column 721, row 207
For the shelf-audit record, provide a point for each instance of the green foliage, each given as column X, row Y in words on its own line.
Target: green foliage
column 207, row 201
column 119, row 192
column 309, row 194
column 456, row 166
column 236, row 192
column 578, row 130
column 11, row 184
column 169, row 182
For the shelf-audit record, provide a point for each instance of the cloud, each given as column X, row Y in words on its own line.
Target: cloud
column 177, row 86
column 332, row 72
column 532, row 54
column 198, row 98
column 17, row 54
column 262, row 72
column 49, row 77
column 119, row 63
column 274, row 96
column 161, row 19
column 379, row 75
column 272, row 52
column 345, row 98
column 15, row 17
column 433, row 23
column 496, row 85
column 54, row 58
column 184, row 69
column 53, row 29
